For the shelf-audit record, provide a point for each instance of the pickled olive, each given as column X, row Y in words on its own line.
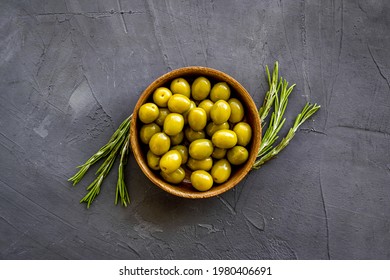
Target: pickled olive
column 197, row 119
column 183, row 152
column 206, row 105
column 211, row 128
column 170, row 161
column 185, row 114
column 200, row 88
column 201, row 149
column 173, row 124
column 220, row 112
column 161, row 96
column 237, row 110
column 177, row 139
column 224, row 139
column 160, row 143
column 237, row 155
column 192, row 135
column 218, row 153
column 176, row 177
column 220, row 91
column 164, row 112
column 178, row 103
column 148, row 112
column 203, row 164
column 244, row 133
column 201, row 180
column 153, row 160
column 221, row 171
column 180, row 86
column 147, row 131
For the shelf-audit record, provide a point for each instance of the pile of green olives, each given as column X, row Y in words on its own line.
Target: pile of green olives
column 198, row 128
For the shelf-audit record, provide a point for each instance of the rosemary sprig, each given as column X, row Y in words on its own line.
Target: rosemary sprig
column 271, row 93
column 277, row 120
column 121, row 190
column 118, row 143
column 307, row 111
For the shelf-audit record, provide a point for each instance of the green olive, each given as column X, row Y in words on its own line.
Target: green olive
column 197, row 119
column 237, row 155
column 181, row 86
column 220, row 112
column 244, row 133
column 183, row 152
column 161, row 96
column 224, row 139
column 211, row 128
column 204, row 164
column 206, row 105
column 147, row 131
column 200, row 88
column 159, row 143
column 177, row 139
column 170, row 161
column 185, row 114
column 148, row 113
column 173, row 124
column 218, row 153
column 164, row 112
column 153, row 160
column 221, row 171
column 237, row 110
column 179, row 103
column 192, row 135
column 201, row 149
column 220, row 91
column 176, row 177
column 201, row 180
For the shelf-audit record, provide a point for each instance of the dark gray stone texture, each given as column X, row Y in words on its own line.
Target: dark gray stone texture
column 71, row 71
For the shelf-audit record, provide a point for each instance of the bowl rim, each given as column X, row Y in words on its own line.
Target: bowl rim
column 201, row 71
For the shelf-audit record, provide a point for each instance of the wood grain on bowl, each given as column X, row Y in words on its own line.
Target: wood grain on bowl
column 251, row 116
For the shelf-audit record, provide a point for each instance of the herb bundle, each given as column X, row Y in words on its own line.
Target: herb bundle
column 118, row 144
column 279, row 102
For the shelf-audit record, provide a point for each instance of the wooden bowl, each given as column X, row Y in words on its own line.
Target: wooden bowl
column 251, row 116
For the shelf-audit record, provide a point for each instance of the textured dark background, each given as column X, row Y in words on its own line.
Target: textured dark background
column 71, row 71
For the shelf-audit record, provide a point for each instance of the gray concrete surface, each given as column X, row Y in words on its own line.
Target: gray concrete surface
column 71, row 71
